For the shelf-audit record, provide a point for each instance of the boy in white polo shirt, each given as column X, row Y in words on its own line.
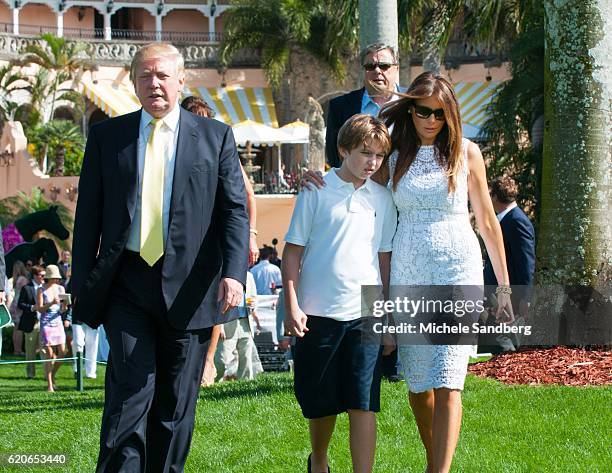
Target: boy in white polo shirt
column 340, row 238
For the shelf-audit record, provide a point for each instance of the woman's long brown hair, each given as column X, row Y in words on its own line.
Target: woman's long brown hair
column 404, row 137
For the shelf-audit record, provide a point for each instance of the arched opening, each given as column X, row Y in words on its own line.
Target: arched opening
column 37, row 18
column 133, row 23
column 65, row 113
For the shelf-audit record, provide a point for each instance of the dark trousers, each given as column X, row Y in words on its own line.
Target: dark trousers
column 152, row 377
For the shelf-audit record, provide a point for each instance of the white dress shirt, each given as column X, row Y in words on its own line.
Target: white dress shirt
column 503, row 213
column 168, row 138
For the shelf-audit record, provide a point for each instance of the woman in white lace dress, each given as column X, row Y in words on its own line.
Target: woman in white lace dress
column 432, row 172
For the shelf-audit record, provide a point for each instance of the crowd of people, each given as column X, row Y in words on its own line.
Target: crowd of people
column 43, row 327
column 171, row 277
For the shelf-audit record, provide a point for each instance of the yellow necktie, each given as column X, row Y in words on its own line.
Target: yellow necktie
column 151, row 221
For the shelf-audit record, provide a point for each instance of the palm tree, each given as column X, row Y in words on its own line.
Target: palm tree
column 575, row 235
column 429, row 25
column 8, row 81
column 58, row 137
column 378, row 22
column 515, row 117
column 326, row 30
column 62, row 59
column 574, row 250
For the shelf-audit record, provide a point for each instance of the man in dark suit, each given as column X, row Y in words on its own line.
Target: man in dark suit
column 381, row 78
column 160, row 251
column 519, row 243
column 29, row 321
column 64, row 266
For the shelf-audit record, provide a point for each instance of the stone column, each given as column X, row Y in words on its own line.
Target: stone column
column 60, row 24
column 158, row 27
column 16, row 18
column 107, row 27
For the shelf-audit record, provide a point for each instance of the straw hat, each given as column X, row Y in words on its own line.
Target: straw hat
column 52, row 272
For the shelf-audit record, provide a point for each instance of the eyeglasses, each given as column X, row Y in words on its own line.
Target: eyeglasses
column 425, row 112
column 39, row 274
column 383, row 66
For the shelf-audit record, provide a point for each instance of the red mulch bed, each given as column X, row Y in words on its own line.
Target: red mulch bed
column 559, row 365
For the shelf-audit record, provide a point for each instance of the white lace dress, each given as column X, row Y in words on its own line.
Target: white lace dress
column 434, row 245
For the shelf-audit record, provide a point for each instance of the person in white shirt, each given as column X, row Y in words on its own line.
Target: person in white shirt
column 237, row 338
column 340, row 239
column 267, row 276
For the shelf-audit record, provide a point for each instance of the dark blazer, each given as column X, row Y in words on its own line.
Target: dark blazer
column 27, row 299
column 340, row 110
column 208, row 232
column 519, row 243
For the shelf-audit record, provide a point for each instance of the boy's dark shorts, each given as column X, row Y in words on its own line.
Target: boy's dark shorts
column 336, row 368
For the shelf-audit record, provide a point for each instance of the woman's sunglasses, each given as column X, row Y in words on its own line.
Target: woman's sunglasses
column 425, row 112
column 383, row 66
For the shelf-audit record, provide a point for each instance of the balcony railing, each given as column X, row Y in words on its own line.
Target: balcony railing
column 129, row 35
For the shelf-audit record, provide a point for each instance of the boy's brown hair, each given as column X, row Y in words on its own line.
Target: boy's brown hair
column 360, row 129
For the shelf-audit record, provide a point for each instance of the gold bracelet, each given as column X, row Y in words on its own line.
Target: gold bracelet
column 503, row 290
column 253, row 231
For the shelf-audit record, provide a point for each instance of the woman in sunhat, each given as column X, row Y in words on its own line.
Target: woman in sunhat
column 52, row 335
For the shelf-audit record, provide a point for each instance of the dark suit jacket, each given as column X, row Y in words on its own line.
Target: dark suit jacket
column 29, row 317
column 208, row 232
column 519, row 243
column 340, row 110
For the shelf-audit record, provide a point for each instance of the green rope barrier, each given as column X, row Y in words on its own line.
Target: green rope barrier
column 47, row 361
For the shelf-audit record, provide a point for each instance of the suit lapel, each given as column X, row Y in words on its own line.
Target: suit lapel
column 185, row 155
column 358, row 101
column 128, row 161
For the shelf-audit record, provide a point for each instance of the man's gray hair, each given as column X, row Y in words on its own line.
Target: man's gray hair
column 372, row 48
column 156, row 50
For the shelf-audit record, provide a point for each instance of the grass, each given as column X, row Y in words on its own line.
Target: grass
column 257, row 427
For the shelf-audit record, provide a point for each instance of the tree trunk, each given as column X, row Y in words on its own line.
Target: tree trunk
column 60, row 159
column 574, row 246
column 377, row 23
column 438, row 18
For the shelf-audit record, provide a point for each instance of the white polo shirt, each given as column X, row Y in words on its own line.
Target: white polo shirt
column 342, row 229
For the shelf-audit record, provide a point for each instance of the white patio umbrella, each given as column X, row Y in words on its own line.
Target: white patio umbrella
column 258, row 134
column 298, row 130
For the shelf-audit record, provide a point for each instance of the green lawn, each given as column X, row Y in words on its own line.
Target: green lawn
column 257, row 427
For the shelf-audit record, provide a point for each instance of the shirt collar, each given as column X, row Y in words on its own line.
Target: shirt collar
column 171, row 120
column 367, row 100
column 334, row 181
column 503, row 213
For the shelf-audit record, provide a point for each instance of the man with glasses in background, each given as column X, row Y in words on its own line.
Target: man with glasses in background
column 381, row 79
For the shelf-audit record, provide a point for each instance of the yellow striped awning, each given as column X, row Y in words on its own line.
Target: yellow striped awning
column 235, row 104
column 474, row 98
column 113, row 97
column 232, row 105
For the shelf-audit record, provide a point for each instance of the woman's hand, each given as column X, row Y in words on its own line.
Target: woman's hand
column 253, row 250
column 504, row 313
column 389, row 344
column 311, row 180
